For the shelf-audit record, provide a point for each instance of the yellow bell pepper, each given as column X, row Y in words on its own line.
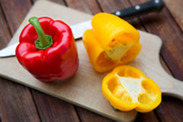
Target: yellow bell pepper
column 111, row 41
column 127, row 88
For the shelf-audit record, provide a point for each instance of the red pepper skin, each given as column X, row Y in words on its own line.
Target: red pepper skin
column 60, row 61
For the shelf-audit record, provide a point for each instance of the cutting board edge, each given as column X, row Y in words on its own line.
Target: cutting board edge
column 129, row 119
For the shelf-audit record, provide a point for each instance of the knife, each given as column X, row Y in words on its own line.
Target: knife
column 134, row 11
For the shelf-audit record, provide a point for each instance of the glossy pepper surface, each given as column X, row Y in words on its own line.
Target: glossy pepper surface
column 111, row 41
column 127, row 88
column 55, row 56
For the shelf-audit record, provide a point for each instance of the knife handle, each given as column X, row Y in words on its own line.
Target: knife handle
column 155, row 5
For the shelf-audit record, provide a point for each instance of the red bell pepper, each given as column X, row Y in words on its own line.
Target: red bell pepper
column 47, row 49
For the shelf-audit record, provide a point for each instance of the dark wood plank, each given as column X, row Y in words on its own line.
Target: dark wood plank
column 15, row 11
column 62, row 2
column 110, row 6
column 87, row 6
column 5, row 35
column 170, row 110
column 87, row 116
column 176, row 9
column 53, row 109
column 16, row 103
column 147, row 117
column 165, row 26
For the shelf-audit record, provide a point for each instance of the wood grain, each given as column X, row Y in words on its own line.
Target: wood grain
column 170, row 110
column 5, row 35
column 176, row 10
column 146, row 117
column 50, row 107
column 88, row 116
column 111, row 6
column 61, row 2
column 87, row 6
column 15, row 11
column 16, row 100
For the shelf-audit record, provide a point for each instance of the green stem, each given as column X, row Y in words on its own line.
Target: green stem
column 43, row 41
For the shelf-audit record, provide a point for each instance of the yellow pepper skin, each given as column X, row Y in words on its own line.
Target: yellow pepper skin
column 112, row 41
column 127, row 88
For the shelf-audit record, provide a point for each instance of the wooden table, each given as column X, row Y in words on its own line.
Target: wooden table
column 20, row 103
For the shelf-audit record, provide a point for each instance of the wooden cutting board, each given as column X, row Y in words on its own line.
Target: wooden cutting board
column 84, row 88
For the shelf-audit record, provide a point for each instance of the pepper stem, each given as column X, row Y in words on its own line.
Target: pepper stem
column 43, row 41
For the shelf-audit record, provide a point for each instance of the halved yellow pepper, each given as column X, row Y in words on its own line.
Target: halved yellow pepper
column 127, row 88
column 111, row 42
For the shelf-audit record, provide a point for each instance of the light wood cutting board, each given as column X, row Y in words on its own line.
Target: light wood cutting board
column 84, row 88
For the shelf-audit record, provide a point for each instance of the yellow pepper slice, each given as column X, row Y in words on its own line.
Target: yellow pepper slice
column 127, row 88
column 111, row 41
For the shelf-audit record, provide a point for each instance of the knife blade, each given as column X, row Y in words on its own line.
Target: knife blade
column 79, row 29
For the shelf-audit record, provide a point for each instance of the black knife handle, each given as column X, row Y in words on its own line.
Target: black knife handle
column 155, row 5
